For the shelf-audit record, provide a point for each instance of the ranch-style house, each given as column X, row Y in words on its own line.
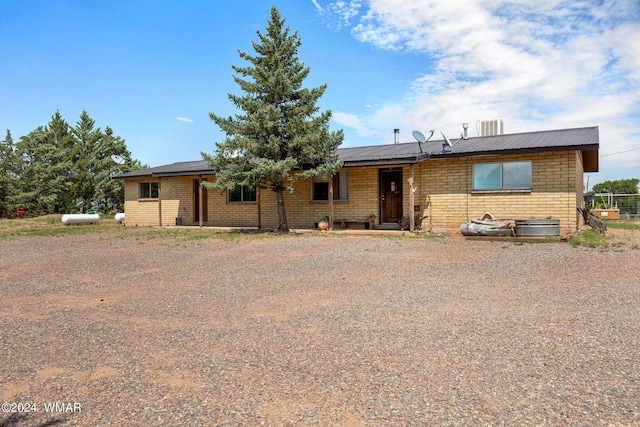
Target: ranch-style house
column 522, row 175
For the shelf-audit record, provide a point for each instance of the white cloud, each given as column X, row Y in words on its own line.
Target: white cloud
column 352, row 121
column 340, row 14
column 317, row 5
column 184, row 119
column 537, row 64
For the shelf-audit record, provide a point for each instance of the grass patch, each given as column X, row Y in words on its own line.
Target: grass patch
column 590, row 239
column 624, row 225
column 51, row 225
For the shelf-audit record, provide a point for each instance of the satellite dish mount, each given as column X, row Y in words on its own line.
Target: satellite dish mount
column 448, row 143
column 419, row 136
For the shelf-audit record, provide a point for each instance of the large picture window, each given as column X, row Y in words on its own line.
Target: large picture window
column 148, row 190
column 320, row 187
column 502, row 176
column 242, row 194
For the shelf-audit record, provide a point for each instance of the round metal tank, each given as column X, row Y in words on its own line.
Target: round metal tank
column 537, row 227
column 119, row 217
column 80, row 218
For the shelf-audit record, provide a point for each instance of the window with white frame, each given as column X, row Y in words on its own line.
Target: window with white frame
column 502, row 176
column 242, row 194
column 148, row 190
column 320, row 187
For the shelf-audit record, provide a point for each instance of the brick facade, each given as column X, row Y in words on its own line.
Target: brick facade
column 444, row 193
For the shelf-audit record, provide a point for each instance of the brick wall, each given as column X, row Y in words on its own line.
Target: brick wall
column 448, row 186
column 139, row 211
column 444, row 193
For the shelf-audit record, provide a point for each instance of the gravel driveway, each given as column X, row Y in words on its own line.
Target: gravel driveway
column 138, row 328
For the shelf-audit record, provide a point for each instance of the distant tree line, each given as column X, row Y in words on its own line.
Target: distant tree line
column 620, row 186
column 62, row 169
column 623, row 195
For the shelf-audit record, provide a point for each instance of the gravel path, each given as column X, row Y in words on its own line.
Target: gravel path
column 144, row 329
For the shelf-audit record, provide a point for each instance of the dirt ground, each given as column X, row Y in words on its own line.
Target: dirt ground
column 133, row 327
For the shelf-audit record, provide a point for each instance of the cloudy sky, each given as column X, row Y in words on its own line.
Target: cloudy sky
column 153, row 70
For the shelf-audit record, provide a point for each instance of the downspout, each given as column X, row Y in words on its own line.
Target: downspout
column 330, row 202
column 412, row 214
column 259, row 208
column 160, row 201
column 468, row 179
column 200, row 211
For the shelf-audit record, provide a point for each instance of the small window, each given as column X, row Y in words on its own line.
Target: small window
column 242, row 194
column 502, row 176
column 148, row 190
column 320, row 187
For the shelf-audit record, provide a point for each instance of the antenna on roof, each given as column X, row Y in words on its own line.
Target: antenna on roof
column 117, row 159
column 419, row 136
column 449, row 143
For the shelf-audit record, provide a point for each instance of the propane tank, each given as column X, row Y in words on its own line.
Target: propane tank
column 68, row 219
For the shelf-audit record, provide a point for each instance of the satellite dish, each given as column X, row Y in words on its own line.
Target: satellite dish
column 419, row 136
column 119, row 160
column 446, row 140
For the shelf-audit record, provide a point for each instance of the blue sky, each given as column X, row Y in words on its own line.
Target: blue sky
column 153, row 70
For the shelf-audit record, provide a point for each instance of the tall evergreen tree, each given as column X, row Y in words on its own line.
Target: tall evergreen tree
column 59, row 169
column 86, row 159
column 280, row 136
column 59, row 136
column 109, row 193
column 7, row 173
column 43, row 169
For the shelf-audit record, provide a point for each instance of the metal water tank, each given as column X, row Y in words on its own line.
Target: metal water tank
column 537, row 227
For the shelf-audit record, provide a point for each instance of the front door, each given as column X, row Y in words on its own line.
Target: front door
column 390, row 195
column 196, row 202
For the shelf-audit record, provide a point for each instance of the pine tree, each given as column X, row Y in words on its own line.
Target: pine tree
column 43, row 167
column 86, row 160
column 280, row 136
column 7, row 173
column 109, row 193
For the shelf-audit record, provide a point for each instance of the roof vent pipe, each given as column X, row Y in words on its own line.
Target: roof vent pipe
column 396, row 136
column 465, row 127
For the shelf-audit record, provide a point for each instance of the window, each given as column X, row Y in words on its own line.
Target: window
column 148, row 190
column 242, row 194
column 320, row 187
column 502, row 176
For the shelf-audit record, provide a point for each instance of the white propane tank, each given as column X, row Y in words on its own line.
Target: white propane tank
column 119, row 217
column 68, row 219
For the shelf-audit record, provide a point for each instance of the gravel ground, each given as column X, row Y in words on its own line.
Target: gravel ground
column 134, row 328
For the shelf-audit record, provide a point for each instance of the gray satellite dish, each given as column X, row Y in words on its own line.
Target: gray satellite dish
column 446, row 140
column 419, row 136
column 119, row 160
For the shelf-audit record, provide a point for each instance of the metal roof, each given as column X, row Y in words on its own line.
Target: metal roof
column 580, row 139
column 197, row 167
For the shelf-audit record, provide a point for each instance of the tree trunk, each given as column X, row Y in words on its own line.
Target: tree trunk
column 282, row 216
column 593, row 221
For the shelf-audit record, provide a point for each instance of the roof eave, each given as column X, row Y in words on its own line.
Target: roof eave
column 531, row 150
column 380, row 162
column 185, row 173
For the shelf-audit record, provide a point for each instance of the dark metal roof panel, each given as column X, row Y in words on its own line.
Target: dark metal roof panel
column 530, row 142
column 407, row 153
column 553, row 140
column 198, row 167
column 580, row 139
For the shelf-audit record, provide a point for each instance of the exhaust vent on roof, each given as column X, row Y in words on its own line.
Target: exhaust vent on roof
column 491, row 127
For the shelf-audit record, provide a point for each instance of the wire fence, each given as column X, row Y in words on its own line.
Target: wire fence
column 628, row 204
